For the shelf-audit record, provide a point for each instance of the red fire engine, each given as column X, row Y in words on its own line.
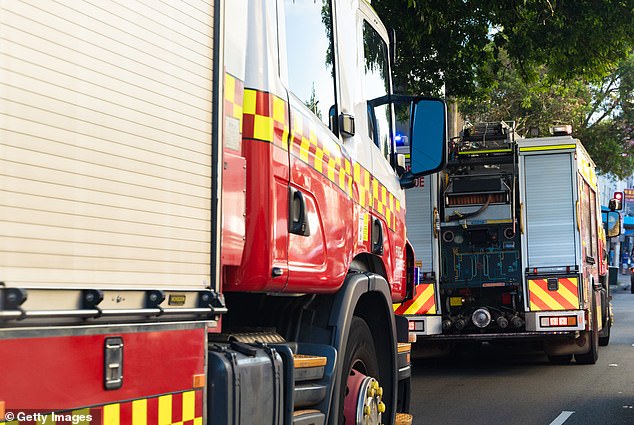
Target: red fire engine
column 510, row 245
column 202, row 213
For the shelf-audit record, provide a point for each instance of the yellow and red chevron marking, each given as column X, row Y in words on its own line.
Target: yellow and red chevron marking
column 323, row 155
column 363, row 179
column 342, row 171
column 265, row 118
column 385, row 203
column 566, row 297
column 184, row 408
column 424, row 302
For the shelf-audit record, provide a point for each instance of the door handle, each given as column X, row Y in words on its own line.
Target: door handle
column 377, row 237
column 298, row 220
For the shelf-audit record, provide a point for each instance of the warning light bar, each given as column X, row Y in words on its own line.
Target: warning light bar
column 401, row 140
column 558, row 321
column 561, row 130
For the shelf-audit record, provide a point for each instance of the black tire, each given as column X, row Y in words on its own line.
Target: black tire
column 604, row 339
column 561, row 359
column 592, row 355
column 360, row 356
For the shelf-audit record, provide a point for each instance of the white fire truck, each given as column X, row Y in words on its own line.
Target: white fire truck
column 510, row 244
column 202, row 218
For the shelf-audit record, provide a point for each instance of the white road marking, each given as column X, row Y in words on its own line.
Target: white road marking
column 563, row 416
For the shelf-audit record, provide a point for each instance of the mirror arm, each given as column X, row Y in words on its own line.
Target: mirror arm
column 380, row 101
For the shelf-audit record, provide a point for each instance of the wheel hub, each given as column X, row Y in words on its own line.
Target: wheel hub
column 363, row 404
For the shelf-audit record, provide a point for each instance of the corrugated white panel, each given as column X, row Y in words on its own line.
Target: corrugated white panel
column 105, row 143
column 550, row 210
column 419, row 222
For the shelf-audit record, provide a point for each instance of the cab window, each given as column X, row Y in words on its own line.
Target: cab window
column 309, row 54
column 377, row 84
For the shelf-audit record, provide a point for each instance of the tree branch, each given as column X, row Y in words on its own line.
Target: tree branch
column 599, row 101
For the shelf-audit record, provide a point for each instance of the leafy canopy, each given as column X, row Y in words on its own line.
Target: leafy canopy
column 451, row 42
column 601, row 114
column 535, row 62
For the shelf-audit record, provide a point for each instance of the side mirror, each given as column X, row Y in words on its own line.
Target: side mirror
column 428, row 136
column 614, row 224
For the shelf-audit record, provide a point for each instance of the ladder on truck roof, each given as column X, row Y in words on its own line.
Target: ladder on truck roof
column 486, row 139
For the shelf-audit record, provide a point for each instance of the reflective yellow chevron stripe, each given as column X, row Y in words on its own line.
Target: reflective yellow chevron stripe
column 565, row 297
column 424, row 301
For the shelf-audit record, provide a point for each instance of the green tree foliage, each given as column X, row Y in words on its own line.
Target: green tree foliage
column 452, row 42
column 580, row 38
column 439, row 43
column 602, row 114
column 532, row 61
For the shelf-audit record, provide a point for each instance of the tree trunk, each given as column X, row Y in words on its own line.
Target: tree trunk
column 454, row 119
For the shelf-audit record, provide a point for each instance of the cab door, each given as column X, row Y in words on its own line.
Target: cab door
column 320, row 186
column 388, row 203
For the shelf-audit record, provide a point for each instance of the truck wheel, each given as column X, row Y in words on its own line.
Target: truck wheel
column 560, row 359
column 360, row 392
column 592, row 355
column 604, row 339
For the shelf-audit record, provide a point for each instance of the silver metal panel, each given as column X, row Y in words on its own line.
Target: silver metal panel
column 432, row 325
column 419, row 218
column 549, row 204
column 106, row 144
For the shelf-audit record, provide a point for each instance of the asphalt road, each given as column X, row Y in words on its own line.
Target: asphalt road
column 516, row 385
